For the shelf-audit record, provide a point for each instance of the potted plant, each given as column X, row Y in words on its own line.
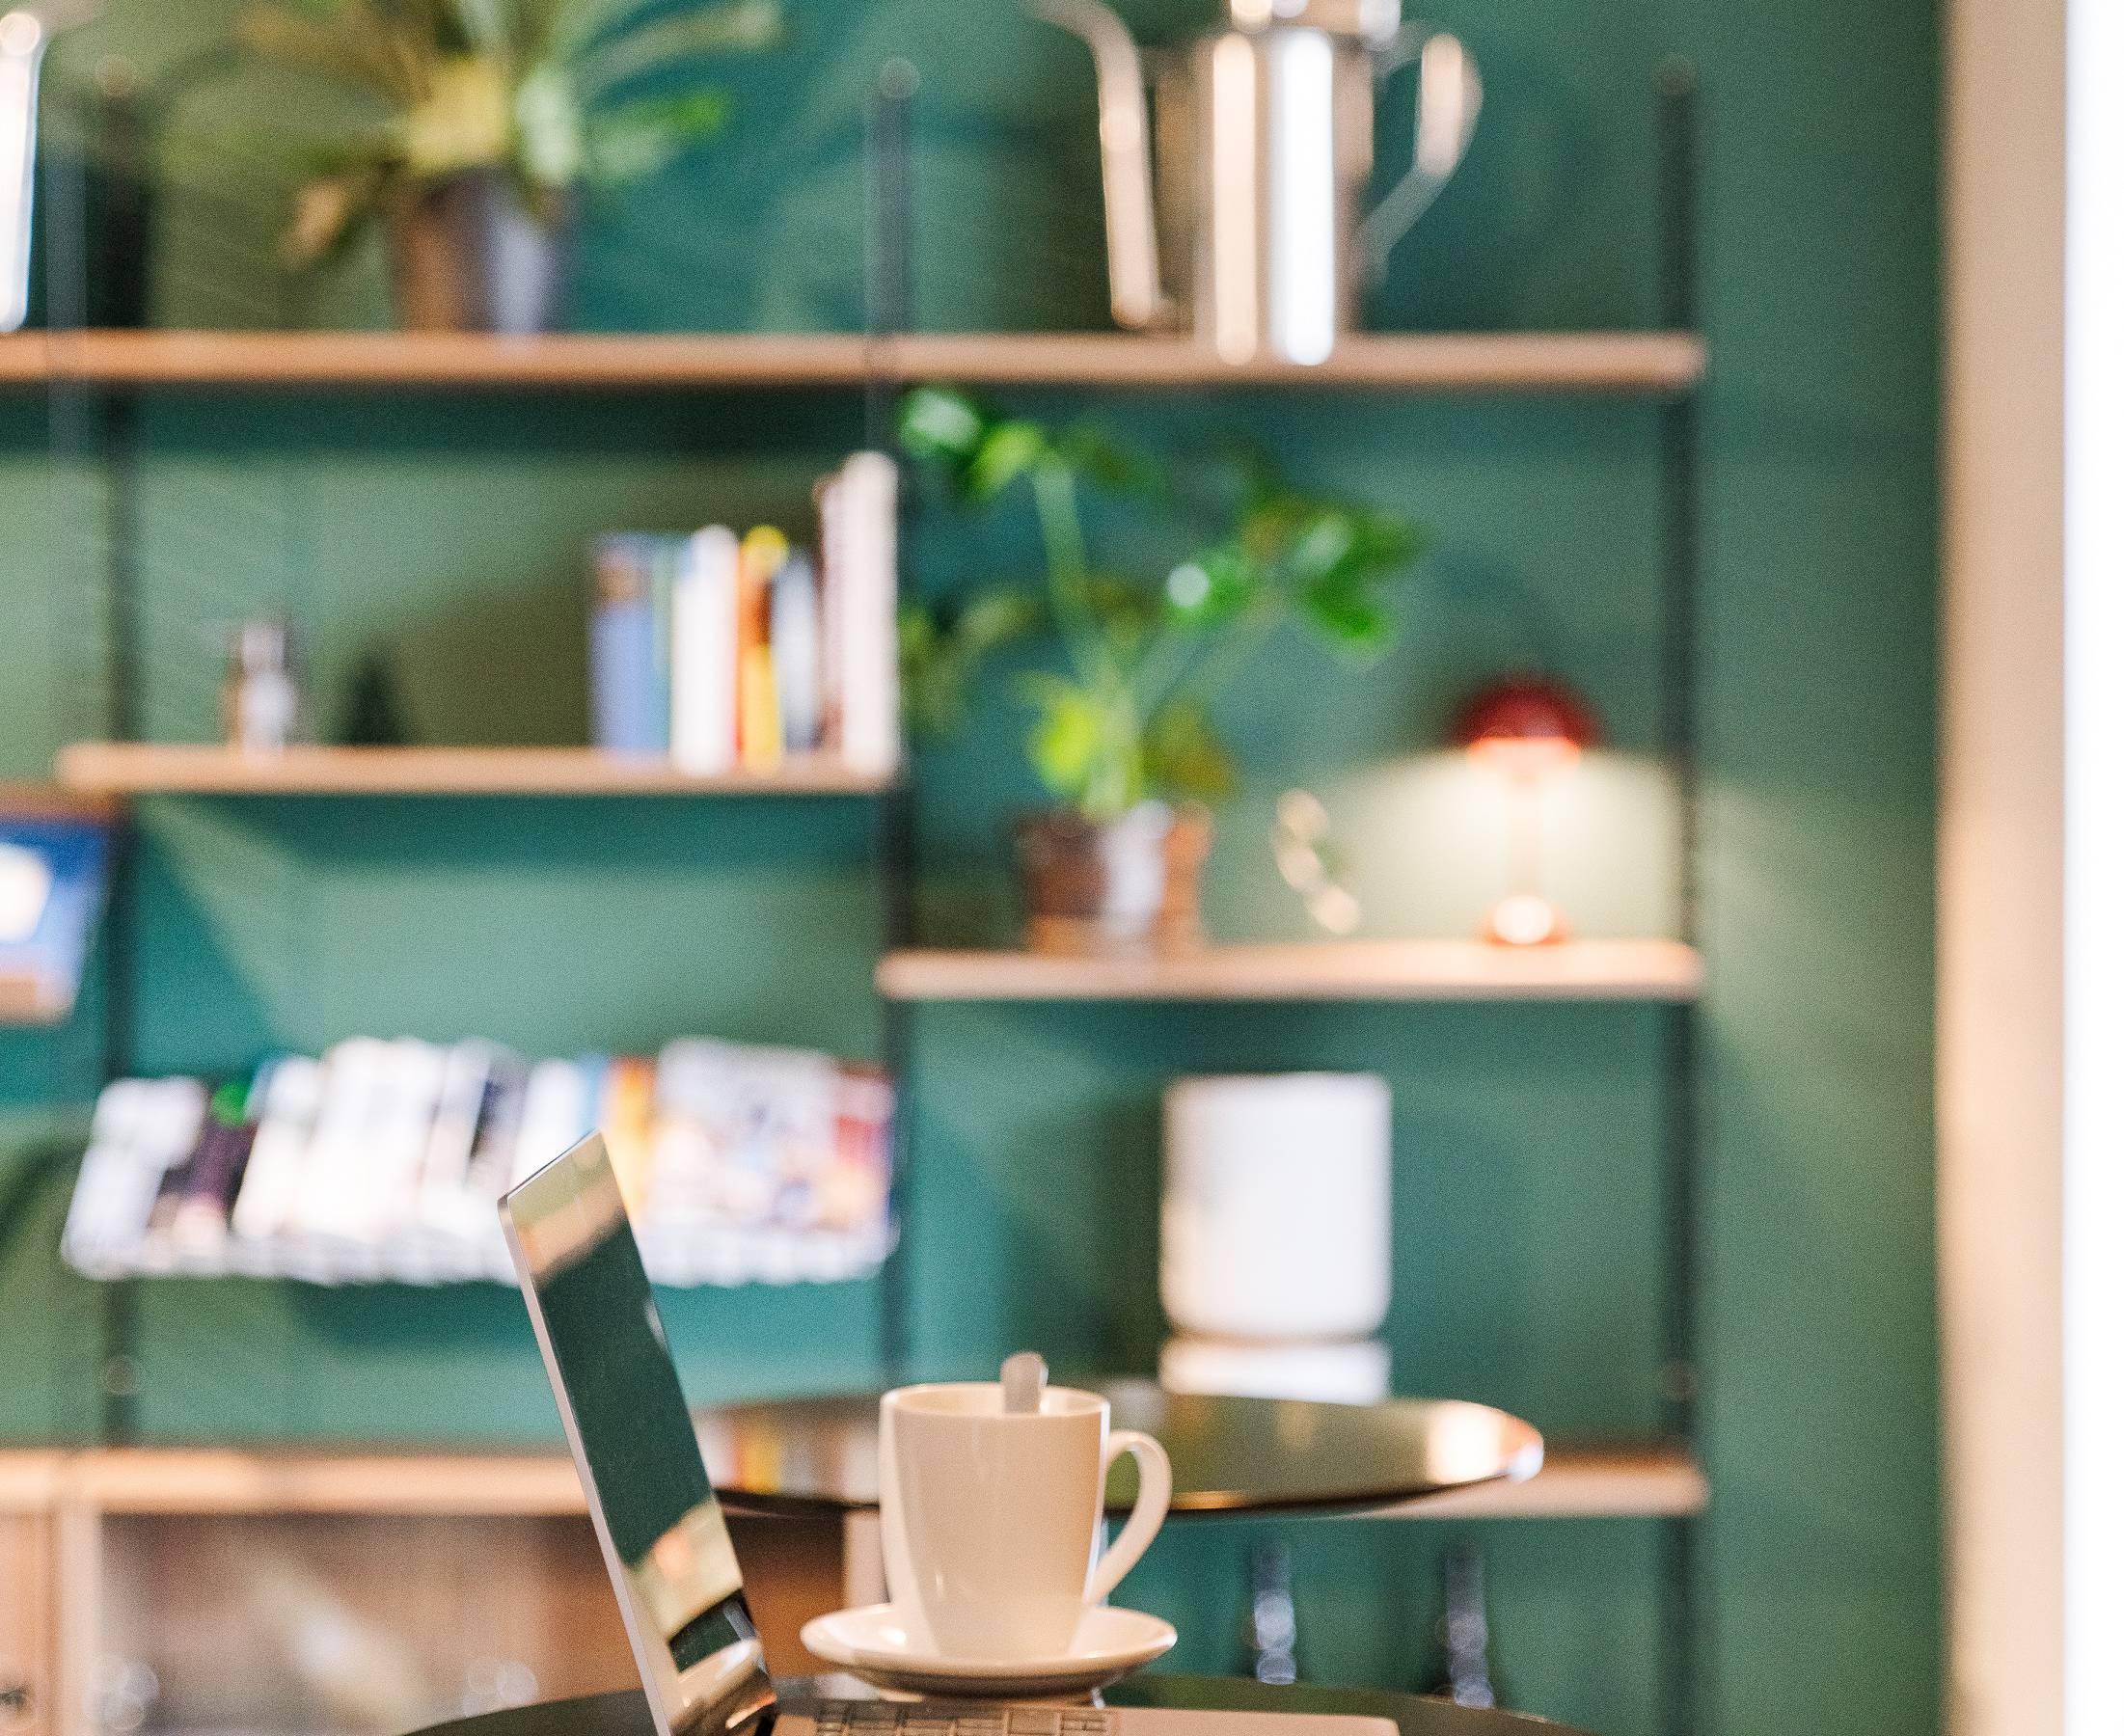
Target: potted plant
column 1123, row 734
column 486, row 118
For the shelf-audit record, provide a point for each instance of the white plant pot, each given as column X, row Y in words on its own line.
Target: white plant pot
column 1277, row 1227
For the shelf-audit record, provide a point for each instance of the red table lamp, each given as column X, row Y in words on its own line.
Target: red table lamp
column 1531, row 729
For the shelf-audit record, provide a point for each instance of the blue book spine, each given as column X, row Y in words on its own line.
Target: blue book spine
column 667, row 557
column 630, row 704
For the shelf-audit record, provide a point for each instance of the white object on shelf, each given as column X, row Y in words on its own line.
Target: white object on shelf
column 859, row 519
column 1276, row 1226
column 704, row 655
column 1356, row 1372
column 141, row 1128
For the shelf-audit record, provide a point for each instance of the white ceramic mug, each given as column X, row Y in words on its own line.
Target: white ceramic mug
column 991, row 1520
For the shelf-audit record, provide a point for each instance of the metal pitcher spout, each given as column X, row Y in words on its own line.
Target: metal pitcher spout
column 1140, row 297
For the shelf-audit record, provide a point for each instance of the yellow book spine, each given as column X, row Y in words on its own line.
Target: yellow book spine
column 760, row 557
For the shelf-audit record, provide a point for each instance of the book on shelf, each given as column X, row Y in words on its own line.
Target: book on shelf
column 630, row 695
column 760, row 558
column 728, row 652
column 383, row 1160
column 859, row 542
column 704, row 644
column 54, row 868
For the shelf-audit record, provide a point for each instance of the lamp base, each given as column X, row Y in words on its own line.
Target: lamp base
column 1525, row 919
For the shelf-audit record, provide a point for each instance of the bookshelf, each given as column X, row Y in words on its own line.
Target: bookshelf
column 123, row 769
column 1381, row 971
column 111, row 372
column 1657, row 363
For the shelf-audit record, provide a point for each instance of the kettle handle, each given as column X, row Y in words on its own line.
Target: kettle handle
column 1449, row 97
column 1140, row 297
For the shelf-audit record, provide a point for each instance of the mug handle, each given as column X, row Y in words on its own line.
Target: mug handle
column 1152, row 1498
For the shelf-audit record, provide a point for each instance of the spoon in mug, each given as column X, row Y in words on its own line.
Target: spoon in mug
column 1024, row 1380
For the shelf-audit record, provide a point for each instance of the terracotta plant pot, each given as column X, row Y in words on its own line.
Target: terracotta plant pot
column 467, row 257
column 1130, row 885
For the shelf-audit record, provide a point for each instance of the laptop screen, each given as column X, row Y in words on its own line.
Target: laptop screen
column 665, row 1540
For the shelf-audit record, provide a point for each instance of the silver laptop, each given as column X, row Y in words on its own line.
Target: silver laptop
column 664, row 1542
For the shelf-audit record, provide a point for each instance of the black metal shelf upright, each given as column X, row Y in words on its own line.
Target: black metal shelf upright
column 1686, row 1689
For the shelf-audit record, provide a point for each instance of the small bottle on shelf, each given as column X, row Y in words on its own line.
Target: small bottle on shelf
column 260, row 709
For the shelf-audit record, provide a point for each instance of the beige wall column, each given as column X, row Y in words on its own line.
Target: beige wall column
column 2001, row 869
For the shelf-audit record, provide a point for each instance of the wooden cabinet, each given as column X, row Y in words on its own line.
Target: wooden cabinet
column 205, row 1594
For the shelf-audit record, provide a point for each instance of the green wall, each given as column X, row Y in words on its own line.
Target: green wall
column 444, row 534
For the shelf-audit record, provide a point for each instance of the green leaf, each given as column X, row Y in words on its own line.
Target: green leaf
column 1007, row 452
column 329, row 212
column 942, row 425
column 1065, row 743
column 991, row 619
column 1217, row 585
column 940, row 654
column 1322, row 539
column 629, row 140
column 551, row 146
column 630, row 49
column 1086, row 744
column 1098, row 458
column 1349, row 613
column 1124, row 612
column 1184, row 757
column 483, row 25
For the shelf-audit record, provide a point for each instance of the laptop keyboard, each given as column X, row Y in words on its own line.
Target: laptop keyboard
column 901, row 1718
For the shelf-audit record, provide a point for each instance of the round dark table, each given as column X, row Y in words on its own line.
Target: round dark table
column 818, row 1456
column 627, row 1713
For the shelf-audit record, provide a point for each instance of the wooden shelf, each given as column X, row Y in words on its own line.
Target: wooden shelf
column 150, row 768
column 29, row 1479
column 54, row 802
column 1655, row 363
column 1582, row 1482
column 212, row 1481
column 1577, row 1482
column 1386, row 971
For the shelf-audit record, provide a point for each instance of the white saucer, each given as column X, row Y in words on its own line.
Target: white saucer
column 873, row 1643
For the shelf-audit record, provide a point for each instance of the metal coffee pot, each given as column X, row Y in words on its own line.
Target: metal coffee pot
column 1238, row 164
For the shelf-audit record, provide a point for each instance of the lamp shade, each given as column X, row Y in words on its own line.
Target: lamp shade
column 1528, row 726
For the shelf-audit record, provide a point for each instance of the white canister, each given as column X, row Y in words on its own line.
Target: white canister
column 1275, row 1225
